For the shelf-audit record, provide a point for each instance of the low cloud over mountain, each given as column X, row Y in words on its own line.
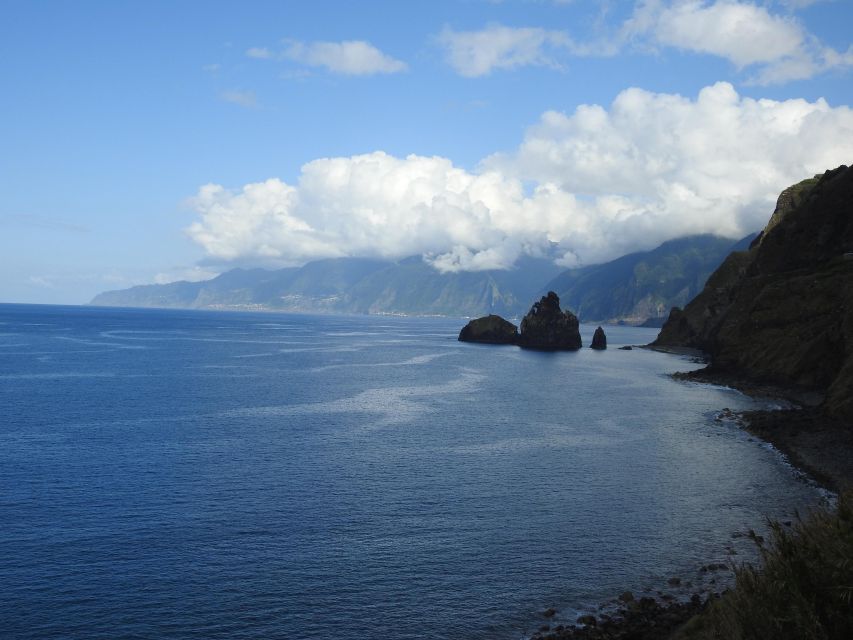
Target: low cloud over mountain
column 596, row 183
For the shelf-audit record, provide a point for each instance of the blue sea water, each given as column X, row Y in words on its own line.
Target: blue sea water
column 177, row 474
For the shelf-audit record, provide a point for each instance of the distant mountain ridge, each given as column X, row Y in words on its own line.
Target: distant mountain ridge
column 632, row 288
column 351, row 285
column 647, row 284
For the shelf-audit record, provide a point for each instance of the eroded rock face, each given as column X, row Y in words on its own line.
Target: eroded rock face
column 599, row 340
column 489, row 329
column 549, row 328
column 783, row 311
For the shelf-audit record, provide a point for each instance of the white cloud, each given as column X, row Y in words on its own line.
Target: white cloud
column 246, row 99
column 777, row 48
column 606, row 181
column 350, row 57
column 773, row 48
column 45, row 282
column 188, row 274
column 742, row 33
column 478, row 53
column 259, row 53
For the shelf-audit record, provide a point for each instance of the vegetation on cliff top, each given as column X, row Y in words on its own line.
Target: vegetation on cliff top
column 803, row 591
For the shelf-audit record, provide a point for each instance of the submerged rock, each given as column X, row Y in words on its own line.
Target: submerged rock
column 549, row 328
column 489, row 329
column 599, row 340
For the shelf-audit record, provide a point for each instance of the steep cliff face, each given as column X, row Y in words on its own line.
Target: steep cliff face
column 549, row 328
column 782, row 312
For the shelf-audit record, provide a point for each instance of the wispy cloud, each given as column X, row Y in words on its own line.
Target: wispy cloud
column 800, row 4
column 349, row 57
column 259, row 53
column 194, row 273
column 246, row 99
column 478, row 53
column 769, row 47
column 41, row 222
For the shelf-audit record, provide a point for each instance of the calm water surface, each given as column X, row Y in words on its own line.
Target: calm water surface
column 169, row 474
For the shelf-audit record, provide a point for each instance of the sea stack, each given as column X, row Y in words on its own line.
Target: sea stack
column 489, row 329
column 548, row 328
column 599, row 340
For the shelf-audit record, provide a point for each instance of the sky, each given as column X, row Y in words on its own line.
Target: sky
column 147, row 142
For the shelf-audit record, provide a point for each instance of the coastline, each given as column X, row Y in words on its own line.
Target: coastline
column 816, row 445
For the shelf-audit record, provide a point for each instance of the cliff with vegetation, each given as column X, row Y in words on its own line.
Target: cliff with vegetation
column 782, row 311
column 644, row 286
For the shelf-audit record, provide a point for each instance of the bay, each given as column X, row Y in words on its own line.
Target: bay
column 185, row 474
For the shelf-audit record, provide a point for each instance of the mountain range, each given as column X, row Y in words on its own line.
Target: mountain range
column 633, row 288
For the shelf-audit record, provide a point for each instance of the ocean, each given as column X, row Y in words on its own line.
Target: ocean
column 188, row 474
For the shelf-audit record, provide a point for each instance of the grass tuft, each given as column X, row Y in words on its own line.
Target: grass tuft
column 803, row 591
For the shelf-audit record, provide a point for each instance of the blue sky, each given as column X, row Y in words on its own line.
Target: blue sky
column 152, row 141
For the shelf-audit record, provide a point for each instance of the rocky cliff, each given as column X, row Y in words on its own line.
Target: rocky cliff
column 545, row 327
column 489, row 329
column 548, row 327
column 782, row 311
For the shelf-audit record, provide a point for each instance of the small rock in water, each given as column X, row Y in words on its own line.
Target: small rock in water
column 674, row 582
column 588, row 620
column 627, row 596
column 627, row 347
column 549, row 612
column 490, row 329
column 599, row 340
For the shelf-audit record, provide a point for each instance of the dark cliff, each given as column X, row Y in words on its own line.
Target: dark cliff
column 782, row 311
column 549, row 328
column 489, row 329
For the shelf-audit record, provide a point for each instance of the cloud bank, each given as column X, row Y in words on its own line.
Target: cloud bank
column 596, row 183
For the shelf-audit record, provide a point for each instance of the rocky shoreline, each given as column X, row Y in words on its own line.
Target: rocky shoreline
column 643, row 619
column 819, row 446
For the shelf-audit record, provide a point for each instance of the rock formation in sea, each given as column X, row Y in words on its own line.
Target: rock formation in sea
column 599, row 340
column 549, row 328
column 489, row 329
column 782, row 312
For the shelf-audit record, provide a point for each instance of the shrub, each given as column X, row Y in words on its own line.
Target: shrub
column 803, row 591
